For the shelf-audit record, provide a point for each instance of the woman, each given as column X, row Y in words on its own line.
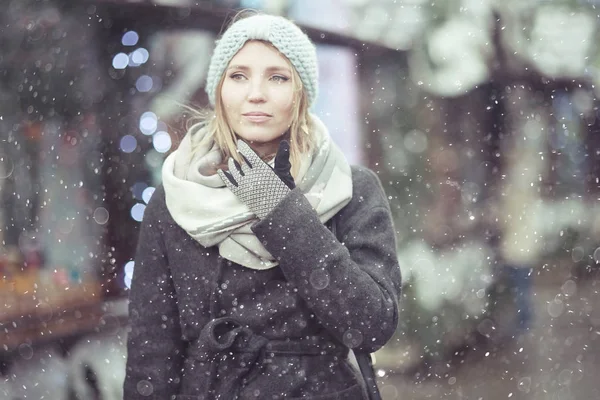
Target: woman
column 241, row 290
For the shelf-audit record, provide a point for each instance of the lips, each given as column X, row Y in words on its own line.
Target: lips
column 257, row 114
column 257, row 117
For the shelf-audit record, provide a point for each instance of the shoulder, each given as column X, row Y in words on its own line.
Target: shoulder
column 367, row 193
column 156, row 211
column 364, row 180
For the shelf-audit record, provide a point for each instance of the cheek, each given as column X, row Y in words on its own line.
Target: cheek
column 230, row 95
column 285, row 100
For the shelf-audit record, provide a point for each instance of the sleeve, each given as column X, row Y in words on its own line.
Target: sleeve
column 154, row 346
column 352, row 287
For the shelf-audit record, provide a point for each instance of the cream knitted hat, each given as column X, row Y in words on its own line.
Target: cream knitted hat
column 281, row 33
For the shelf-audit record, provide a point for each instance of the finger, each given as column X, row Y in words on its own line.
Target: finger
column 227, row 178
column 248, row 163
column 282, row 166
column 233, row 169
column 282, row 158
column 249, row 155
column 238, row 167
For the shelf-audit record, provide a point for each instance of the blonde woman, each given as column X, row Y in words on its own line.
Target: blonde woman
column 241, row 290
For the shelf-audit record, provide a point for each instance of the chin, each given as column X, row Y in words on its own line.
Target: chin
column 258, row 136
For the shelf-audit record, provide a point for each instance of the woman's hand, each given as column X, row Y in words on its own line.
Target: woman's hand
column 256, row 184
column 283, row 168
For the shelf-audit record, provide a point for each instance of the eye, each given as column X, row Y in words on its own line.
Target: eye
column 237, row 76
column 280, row 78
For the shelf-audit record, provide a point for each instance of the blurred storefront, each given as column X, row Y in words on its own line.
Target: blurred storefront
column 91, row 102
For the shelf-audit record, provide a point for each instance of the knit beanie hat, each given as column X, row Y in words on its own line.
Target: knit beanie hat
column 281, row 33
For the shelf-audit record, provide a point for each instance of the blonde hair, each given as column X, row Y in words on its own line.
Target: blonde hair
column 302, row 140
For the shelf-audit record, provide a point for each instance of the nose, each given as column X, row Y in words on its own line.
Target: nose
column 256, row 93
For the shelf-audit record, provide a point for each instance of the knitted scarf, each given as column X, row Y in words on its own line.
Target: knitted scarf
column 209, row 212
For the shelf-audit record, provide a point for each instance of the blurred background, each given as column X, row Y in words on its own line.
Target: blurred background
column 478, row 116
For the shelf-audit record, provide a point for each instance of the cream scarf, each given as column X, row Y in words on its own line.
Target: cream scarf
column 210, row 213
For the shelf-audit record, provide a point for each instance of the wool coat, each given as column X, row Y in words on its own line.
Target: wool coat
column 205, row 328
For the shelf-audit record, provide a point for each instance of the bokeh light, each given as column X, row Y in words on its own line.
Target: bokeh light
column 138, row 189
column 101, row 215
column 147, row 194
column 144, row 83
column 139, row 56
column 128, row 144
column 162, row 141
column 137, row 212
column 148, row 123
column 129, row 266
column 120, row 61
column 130, row 38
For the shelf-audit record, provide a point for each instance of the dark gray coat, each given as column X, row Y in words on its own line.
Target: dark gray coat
column 205, row 328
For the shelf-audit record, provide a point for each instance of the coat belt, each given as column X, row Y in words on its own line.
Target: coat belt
column 225, row 335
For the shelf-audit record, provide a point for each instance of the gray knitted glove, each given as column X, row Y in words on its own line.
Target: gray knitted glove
column 256, row 184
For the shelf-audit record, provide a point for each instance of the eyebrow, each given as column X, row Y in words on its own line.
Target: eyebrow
column 268, row 69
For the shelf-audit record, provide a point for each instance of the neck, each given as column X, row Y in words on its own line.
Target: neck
column 267, row 150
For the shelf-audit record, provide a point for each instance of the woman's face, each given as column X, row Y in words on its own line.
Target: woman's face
column 258, row 96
